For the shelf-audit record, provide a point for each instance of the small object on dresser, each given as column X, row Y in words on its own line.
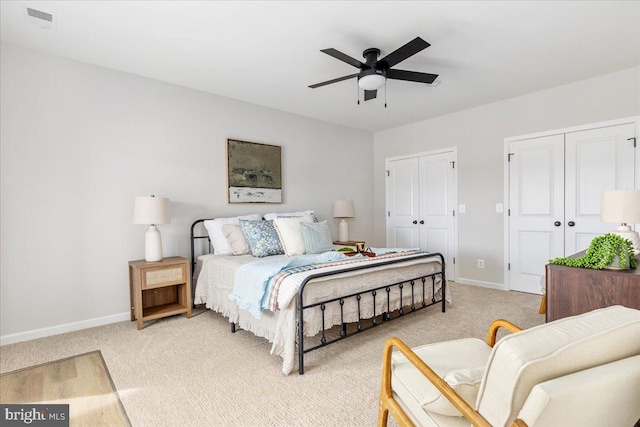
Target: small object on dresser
column 609, row 251
column 159, row 289
column 622, row 207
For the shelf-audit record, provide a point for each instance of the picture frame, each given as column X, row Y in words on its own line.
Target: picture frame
column 254, row 172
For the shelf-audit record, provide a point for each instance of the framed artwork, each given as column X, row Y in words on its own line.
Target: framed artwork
column 254, row 172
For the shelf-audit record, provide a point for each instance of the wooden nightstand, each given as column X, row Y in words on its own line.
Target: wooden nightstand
column 159, row 289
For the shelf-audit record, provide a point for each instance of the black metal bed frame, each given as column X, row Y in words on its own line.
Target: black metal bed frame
column 385, row 315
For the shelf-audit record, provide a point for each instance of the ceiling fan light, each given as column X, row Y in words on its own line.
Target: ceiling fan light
column 372, row 81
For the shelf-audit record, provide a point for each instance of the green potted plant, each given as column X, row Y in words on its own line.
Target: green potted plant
column 610, row 251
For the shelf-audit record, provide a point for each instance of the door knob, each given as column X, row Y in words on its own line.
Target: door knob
column 557, row 223
column 421, row 222
column 415, row 221
column 571, row 223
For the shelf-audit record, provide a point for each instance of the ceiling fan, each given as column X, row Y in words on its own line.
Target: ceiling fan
column 374, row 72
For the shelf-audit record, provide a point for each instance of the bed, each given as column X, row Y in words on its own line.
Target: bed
column 312, row 306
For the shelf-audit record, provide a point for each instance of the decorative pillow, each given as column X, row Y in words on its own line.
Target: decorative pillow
column 236, row 240
column 290, row 234
column 317, row 237
column 466, row 382
column 214, row 227
column 274, row 215
column 261, row 237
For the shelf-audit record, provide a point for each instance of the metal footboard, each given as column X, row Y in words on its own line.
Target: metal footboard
column 386, row 316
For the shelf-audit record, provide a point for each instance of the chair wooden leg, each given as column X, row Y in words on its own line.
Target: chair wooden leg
column 383, row 415
column 543, row 304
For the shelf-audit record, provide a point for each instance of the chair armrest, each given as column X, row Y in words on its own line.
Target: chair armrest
column 497, row 324
column 388, row 403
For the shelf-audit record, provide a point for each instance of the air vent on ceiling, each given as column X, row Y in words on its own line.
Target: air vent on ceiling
column 39, row 18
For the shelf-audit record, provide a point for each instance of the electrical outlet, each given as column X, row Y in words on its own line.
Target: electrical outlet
column 480, row 263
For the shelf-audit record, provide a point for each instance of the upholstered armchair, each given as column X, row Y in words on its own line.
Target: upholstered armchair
column 581, row 370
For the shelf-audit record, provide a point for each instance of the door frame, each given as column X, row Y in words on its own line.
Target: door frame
column 507, row 141
column 452, row 273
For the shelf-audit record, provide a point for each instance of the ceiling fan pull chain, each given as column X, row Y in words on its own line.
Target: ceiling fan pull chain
column 358, row 90
column 385, row 93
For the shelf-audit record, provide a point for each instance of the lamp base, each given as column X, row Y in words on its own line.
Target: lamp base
column 626, row 232
column 152, row 245
column 343, row 235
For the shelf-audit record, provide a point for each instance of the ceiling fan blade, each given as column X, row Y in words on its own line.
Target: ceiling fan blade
column 345, row 58
column 328, row 82
column 370, row 94
column 404, row 52
column 411, row 76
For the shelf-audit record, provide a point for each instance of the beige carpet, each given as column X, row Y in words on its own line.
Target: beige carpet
column 191, row 372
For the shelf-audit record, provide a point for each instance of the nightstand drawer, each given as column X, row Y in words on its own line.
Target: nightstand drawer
column 164, row 276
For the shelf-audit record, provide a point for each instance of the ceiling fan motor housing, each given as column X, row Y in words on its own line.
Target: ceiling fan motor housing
column 371, row 56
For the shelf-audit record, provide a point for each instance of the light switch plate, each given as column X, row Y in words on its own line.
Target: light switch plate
column 462, row 208
column 499, row 208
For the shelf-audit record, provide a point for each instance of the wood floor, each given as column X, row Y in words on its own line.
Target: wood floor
column 81, row 381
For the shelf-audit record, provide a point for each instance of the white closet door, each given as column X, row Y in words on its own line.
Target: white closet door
column 597, row 160
column 536, row 194
column 403, row 203
column 437, row 198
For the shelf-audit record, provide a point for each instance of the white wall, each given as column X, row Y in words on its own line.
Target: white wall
column 479, row 135
column 79, row 142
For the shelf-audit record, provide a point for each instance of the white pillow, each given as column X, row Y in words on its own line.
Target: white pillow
column 214, row 227
column 290, row 234
column 274, row 215
column 235, row 238
column 466, row 382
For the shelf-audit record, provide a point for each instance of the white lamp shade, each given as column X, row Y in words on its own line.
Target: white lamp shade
column 151, row 210
column 344, row 209
column 372, row 81
column 620, row 206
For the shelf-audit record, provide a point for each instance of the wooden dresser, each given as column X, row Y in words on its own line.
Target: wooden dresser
column 572, row 291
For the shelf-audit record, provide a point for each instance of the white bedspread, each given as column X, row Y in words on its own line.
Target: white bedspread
column 215, row 278
column 251, row 284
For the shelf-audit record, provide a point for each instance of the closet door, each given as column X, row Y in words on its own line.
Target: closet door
column 421, row 198
column 555, row 184
column 437, row 198
column 597, row 160
column 403, row 203
column 536, row 199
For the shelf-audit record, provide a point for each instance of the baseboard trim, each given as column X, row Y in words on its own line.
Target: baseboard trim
column 472, row 282
column 61, row 329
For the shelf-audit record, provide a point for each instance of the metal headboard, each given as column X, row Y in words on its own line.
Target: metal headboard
column 193, row 246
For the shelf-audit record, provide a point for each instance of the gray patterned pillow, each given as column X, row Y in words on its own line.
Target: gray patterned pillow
column 262, row 238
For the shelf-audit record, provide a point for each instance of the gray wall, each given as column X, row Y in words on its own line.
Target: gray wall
column 80, row 142
column 479, row 135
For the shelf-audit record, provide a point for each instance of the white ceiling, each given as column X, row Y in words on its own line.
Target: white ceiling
column 268, row 52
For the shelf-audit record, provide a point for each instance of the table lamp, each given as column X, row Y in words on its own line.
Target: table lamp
column 344, row 209
column 152, row 210
column 623, row 207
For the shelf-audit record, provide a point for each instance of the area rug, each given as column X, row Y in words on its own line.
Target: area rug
column 83, row 382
